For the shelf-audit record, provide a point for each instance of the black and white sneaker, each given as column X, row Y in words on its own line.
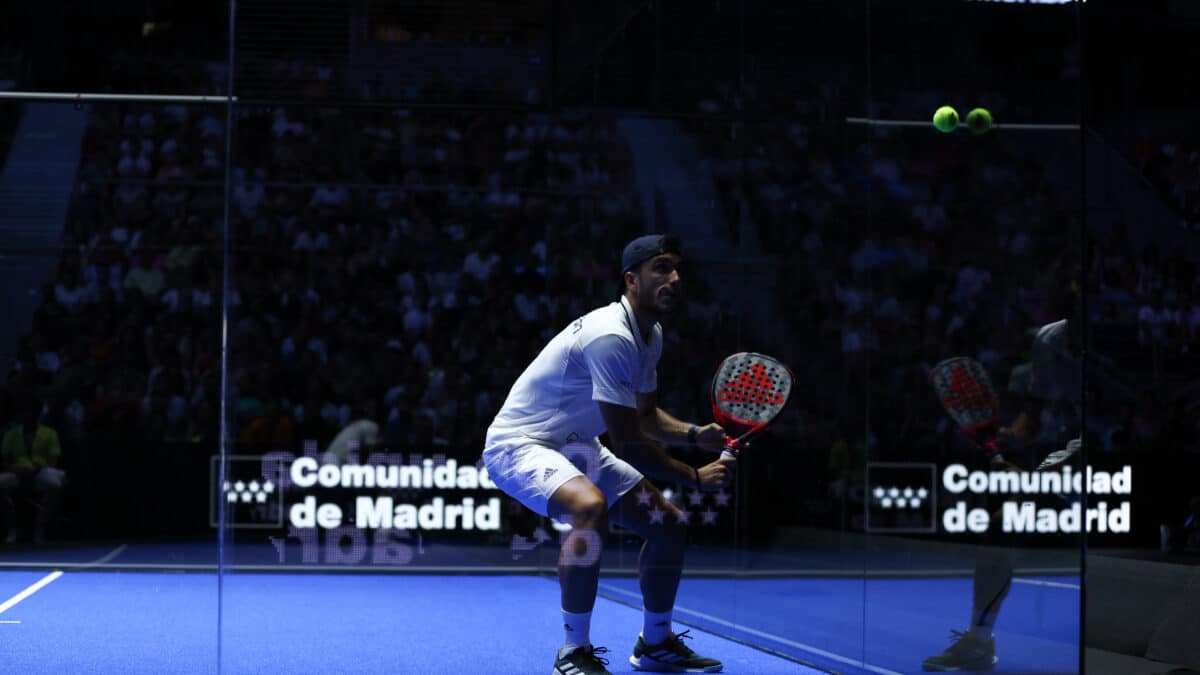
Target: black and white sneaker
column 968, row 653
column 671, row 656
column 585, row 660
column 1060, row 457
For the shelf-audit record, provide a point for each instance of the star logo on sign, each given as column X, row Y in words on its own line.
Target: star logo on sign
column 239, row 486
column 254, row 486
column 643, row 497
column 722, row 497
column 656, row 514
column 261, row 497
column 696, row 497
column 268, row 487
column 683, row 516
column 709, row 516
column 231, row 497
column 246, row 497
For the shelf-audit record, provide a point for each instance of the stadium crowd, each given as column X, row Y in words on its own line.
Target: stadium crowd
column 400, row 266
column 896, row 248
column 1173, row 168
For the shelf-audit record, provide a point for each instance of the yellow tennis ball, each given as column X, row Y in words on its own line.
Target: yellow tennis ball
column 979, row 120
column 945, row 119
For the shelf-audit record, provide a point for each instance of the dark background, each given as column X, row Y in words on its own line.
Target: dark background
column 744, row 81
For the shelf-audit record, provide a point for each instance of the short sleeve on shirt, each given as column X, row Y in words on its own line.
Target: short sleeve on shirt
column 611, row 361
column 649, row 379
column 1055, row 369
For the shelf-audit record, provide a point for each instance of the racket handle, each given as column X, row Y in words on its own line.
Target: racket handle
column 732, row 444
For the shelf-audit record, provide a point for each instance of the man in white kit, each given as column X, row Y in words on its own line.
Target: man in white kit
column 598, row 375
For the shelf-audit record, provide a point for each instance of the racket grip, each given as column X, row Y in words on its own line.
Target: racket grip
column 731, row 447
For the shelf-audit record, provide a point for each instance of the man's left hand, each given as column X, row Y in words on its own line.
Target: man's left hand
column 710, row 437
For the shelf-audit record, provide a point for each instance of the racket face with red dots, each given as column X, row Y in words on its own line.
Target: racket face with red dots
column 966, row 392
column 749, row 391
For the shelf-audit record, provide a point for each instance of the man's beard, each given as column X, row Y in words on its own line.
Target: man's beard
column 650, row 300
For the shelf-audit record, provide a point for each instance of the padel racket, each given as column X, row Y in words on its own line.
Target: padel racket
column 969, row 398
column 748, row 392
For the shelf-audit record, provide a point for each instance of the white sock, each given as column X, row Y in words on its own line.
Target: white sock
column 577, row 627
column 656, row 626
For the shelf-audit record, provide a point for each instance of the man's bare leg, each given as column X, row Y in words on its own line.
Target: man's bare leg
column 660, row 565
column 647, row 513
column 581, row 503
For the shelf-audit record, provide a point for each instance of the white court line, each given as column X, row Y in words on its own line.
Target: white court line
column 10, row 622
column 758, row 633
column 1051, row 584
column 34, row 588
column 111, row 554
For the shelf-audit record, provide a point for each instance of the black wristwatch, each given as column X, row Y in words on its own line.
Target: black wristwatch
column 692, row 434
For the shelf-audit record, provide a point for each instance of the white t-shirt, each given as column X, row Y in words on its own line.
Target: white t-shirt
column 1055, row 366
column 600, row 357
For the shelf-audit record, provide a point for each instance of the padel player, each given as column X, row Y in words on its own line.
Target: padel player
column 1051, row 379
column 598, row 375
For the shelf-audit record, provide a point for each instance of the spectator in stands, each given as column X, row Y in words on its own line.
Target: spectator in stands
column 29, row 457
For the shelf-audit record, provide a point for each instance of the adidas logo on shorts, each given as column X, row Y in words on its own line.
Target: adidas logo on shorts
column 549, row 472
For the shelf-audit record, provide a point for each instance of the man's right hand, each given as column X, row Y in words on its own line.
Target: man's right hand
column 718, row 474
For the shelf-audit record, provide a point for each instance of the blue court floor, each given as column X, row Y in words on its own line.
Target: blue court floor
column 138, row 622
column 90, row 621
column 879, row 625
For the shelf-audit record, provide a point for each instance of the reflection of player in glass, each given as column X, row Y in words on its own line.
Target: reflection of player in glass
column 598, row 375
column 1049, row 385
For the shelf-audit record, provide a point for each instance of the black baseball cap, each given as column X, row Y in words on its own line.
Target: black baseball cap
column 646, row 247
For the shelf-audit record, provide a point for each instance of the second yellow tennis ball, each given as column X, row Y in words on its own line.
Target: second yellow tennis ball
column 945, row 119
column 979, row 120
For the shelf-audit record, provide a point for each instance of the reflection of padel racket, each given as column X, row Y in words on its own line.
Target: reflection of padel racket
column 969, row 398
column 748, row 392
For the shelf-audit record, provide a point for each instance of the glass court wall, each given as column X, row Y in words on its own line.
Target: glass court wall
column 969, row 246
column 112, row 219
column 353, row 261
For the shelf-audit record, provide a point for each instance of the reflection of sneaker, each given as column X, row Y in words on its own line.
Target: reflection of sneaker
column 1060, row 457
column 671, row 656
column 967, row 653
column 582, row 661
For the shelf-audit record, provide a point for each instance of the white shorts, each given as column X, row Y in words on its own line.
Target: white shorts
column 530, row 471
